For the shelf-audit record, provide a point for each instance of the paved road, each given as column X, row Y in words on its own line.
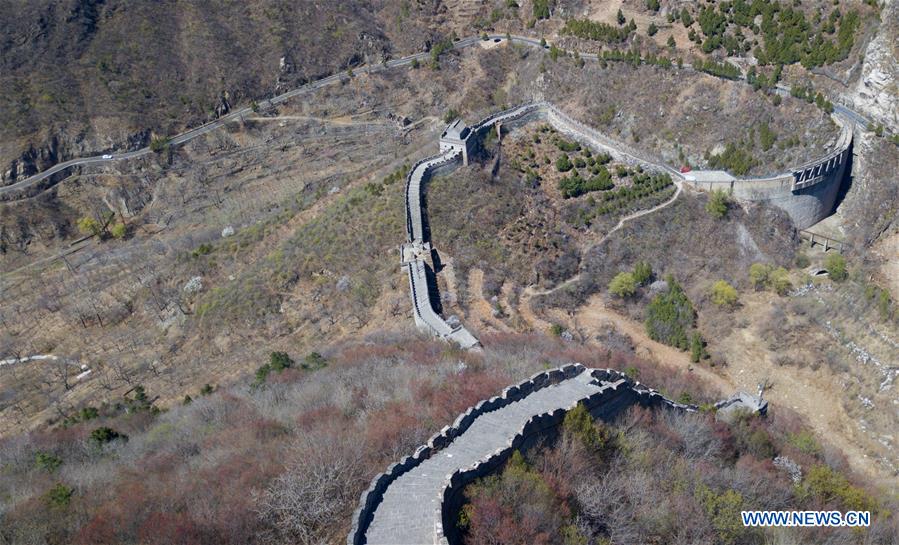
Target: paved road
column 237, row 114
column 407, row 514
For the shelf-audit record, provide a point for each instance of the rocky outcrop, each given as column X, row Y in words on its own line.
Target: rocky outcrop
column 877, row 90
column 60, row 148
column 31, row 161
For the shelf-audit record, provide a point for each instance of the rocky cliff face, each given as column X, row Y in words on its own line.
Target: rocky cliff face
column 877, row 91
column 869, row 211
column 31, row 161
column 64, row 146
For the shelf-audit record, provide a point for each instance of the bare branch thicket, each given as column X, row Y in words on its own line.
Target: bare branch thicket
column 105, row 376
column 121, row 372
column 320, row 484
column 699, row 440
column 604, row 504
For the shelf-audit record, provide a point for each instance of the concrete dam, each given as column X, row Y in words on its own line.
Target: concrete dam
column 808, row 192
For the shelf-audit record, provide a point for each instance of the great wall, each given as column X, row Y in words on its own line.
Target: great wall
column 807, row 193
column 416, row 500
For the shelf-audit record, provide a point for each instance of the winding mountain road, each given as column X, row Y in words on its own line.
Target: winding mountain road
column 189, row 135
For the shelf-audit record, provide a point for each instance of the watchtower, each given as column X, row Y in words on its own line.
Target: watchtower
column 457, row 136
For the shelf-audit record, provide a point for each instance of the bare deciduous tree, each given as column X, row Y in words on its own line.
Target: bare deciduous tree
column 320, row 484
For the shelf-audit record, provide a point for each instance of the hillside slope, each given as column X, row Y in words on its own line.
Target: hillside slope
column 87, row 74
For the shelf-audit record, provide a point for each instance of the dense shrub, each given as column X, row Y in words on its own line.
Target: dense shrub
column 735, row 159
column 767, row 137
column 89, row 226
column 575, row 186
column 723, row 294
column 763, row 275
column 670, row 316
column 101, row 436
column 758, row 274
column 624, row 199
column 697, row 351
column 720, row 69
column 592, row 30
column 664, row 478
column 592, row 434
column 786, row 35
column 159, row 144
column 541, row 8
column 723, row 511
column 314, row 360
column 831, row 488
column 779, row 281
column 47, row 462
column 623, row 285
column 642, row 273
column 836, row 267
column 492, row 518
column 59, row 495
column 278, row 362
column 718, row 204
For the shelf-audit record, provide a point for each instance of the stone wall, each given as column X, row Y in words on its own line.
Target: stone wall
column 807, row 192
column 418, row 232
column 415, row 180
column 375, row 492
column 618, row 393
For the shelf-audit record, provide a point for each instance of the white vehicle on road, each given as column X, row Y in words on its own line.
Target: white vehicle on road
column 106, row 157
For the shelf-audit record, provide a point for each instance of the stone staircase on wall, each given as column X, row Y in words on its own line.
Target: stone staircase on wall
column 416, row 500
column 416, row 253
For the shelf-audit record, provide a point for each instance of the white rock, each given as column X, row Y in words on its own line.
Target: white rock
column 876, row 91
column 344, row 283
column 194, row 285
column 227, row 231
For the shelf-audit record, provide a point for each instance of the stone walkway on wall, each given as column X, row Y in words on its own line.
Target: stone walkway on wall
column 406, row 516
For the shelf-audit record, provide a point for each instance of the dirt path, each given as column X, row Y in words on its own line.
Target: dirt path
column 594, row 315
column 478, row 307
column 530, row 291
